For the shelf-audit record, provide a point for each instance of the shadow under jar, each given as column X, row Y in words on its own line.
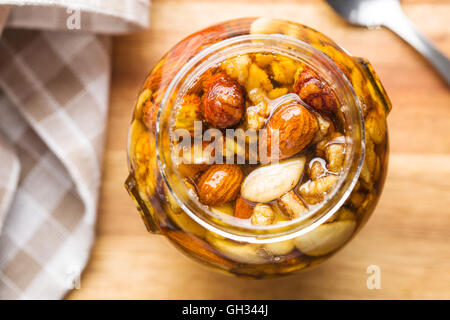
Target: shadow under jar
column 309, row 197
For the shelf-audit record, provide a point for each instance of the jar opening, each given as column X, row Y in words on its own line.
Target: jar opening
column 354, row 131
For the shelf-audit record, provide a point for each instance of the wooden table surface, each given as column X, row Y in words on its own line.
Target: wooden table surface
column 408, row 236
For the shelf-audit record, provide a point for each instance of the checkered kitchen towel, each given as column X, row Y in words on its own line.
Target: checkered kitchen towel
column 54, row 88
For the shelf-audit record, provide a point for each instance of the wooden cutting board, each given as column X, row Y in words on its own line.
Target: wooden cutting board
column 408, row 236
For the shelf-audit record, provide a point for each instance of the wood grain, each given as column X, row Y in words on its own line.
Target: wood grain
column 409, row 234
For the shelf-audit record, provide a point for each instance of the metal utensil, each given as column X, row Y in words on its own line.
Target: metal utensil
column 388, row 13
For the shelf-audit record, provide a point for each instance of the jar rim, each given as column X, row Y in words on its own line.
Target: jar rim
column 292, row 228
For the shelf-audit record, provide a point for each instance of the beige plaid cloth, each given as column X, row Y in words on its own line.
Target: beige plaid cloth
column 54, row 88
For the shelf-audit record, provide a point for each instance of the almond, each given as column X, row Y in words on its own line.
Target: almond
column 280, row 248
column 219, row 184
column 225, row 209
column 197, row 247
column 270, row 182
column 243, row 209
column 325, row 238
column 186, row 223
column 296, row 127
column 247, row 253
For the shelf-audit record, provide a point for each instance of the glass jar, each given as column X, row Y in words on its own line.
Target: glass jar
column 216, row 240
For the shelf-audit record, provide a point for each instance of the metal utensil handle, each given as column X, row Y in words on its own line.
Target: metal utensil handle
column 402, row 26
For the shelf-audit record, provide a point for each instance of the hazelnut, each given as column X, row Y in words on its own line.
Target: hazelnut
column 223, row 101
column 314, row 91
